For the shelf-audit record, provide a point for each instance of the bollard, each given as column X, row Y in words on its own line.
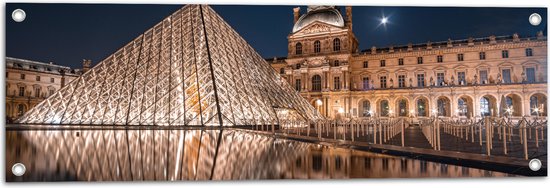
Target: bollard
column 335, row 123
column 504, row 140
column 402, row 134
column 374, row 133
column 536, row 137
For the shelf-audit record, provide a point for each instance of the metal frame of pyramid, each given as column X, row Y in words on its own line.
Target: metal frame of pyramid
column 191, row 69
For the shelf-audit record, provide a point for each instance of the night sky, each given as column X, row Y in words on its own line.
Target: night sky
column 67, row 33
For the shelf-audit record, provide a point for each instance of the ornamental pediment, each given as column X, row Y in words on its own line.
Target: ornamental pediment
column 317, row 28
column 315, row 62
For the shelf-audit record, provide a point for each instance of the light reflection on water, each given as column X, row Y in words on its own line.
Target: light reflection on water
column 125, row 155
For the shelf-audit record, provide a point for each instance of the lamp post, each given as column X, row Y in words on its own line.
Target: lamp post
column 319, row 103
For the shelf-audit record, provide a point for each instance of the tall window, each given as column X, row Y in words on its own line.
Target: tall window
column 366, row 108
column 382, row 81
column 481, row 55
column 336, row 44
column 22, row 76
column 401, row 80
column 528, row 52
column 401, row 62
column 337, row 83
column 38, row 78
column 52, row 80
column 504, row 53
column 419, row 60
column 530, row 75
column 483, row 77
column 382, row 63
column 439, row 58
column 460, row 57
column 282, row 70
column 37, row 92
column 316, row 83
column 298, row 66
column 461, row 78
column 421, row 107
column 52, row 91
column 365, row 64
column 420, row 80
column 506, row 77
column 316, row 46
column 366, row 83
column 298, row 48
column 440, row 78
column 21, row 91
column 298, row 85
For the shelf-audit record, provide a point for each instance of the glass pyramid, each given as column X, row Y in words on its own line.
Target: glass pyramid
column 191, row 69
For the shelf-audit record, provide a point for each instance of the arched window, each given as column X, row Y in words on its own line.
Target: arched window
column 298, row 48
column 533, row 103
column 462, row 107
column 336, row 63
column 384, row 108
column 442, row 107
column 316, row 83
column 509, row 101
column 484, row 106
column 366, row 108
column 20, row 109
column 403, row 109
column 316, row 46
column 421, row 107
column 336, row 44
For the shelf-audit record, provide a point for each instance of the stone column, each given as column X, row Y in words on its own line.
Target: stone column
column 526, row 105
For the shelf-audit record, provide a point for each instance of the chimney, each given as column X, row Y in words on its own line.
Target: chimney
column 86, row 63
column 348, row 17
column 296, row 14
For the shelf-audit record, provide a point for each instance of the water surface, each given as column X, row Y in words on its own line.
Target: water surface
column 229, row 154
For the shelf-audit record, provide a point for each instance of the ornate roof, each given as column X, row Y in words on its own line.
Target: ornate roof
column 325, row 14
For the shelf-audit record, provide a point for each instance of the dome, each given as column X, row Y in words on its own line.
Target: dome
column 329, row 16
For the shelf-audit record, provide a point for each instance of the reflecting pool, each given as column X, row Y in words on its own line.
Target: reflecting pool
column 184, row 154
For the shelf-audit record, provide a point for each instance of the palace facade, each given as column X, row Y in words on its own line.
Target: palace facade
column 492, row 76
column 30, row 82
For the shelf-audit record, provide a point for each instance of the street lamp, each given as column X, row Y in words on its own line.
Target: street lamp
column 341, row 110
column 318, row 103
column 434, row 111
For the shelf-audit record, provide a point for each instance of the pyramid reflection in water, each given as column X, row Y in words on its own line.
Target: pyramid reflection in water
column 190, row 69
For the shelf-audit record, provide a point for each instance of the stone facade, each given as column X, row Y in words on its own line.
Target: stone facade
column 30, row 82
column 504, row 75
